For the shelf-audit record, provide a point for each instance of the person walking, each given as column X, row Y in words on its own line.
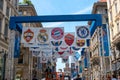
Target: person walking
column 78, row 77
column 114, row 77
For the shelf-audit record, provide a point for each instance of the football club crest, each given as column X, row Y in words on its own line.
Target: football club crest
column 28, row 35
column 81, row 43
column 56, row 43
column 42, row 36
column 65, row 59
column 83, row 32
column 69, row 39
column 57, row 33
column 60, row 53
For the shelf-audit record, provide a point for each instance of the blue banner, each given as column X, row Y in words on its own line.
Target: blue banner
column 17, row 45
column 77, row 55
column 105, row 40
column 85, row 60
column 80, row 67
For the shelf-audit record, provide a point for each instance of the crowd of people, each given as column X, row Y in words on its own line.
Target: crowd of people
column 107, row 77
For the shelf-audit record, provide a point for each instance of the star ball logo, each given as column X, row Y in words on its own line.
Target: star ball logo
column 83, row 32
column 57, row 33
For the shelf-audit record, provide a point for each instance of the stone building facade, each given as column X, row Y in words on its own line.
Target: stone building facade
column 114, row 26
column 97, row 59
column 26, row 64
column 7, row 8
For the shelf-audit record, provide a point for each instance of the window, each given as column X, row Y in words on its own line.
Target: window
column 111, row 16
column 6, row 30
column 118, row 29
column 0, row 24
column 116, row 8
column 1, row 4
column 106, row 20
column 20, row 60
column 106, row 11
column 20, row 13
column 7, row 11
column 112, row 32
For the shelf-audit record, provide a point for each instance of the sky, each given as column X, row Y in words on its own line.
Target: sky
column 63, row 7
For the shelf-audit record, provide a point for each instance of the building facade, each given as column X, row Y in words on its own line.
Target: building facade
column 26, row 64
column 114, row 26
column 7, row 8
column 99, row 67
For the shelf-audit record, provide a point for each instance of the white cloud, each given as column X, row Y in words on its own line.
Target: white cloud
column 54, row 24
column 84, row 10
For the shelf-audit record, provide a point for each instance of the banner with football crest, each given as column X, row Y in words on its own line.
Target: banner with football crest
column 42, row 35
column 57, row 33
column 28, row 35
column 82, row 32
column 81, row 43
column 36, row 45
column 69, row 39
column 65, row 59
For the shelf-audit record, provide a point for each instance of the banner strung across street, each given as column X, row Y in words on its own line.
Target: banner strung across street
column 61, row 44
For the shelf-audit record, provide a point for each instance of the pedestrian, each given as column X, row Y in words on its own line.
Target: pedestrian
column 78, row 77
column 114, row 77
column 119, row 77
column 34, row 78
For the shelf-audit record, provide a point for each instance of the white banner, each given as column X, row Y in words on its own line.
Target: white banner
column 69, row 38
column 57, row 34
column 36, row 45
column 83, row 32
column 65, row 59
column 42, row 35
column 28, row 35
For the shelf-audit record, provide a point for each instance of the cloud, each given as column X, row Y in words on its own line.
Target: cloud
column 84, row 10
column 54, row 24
